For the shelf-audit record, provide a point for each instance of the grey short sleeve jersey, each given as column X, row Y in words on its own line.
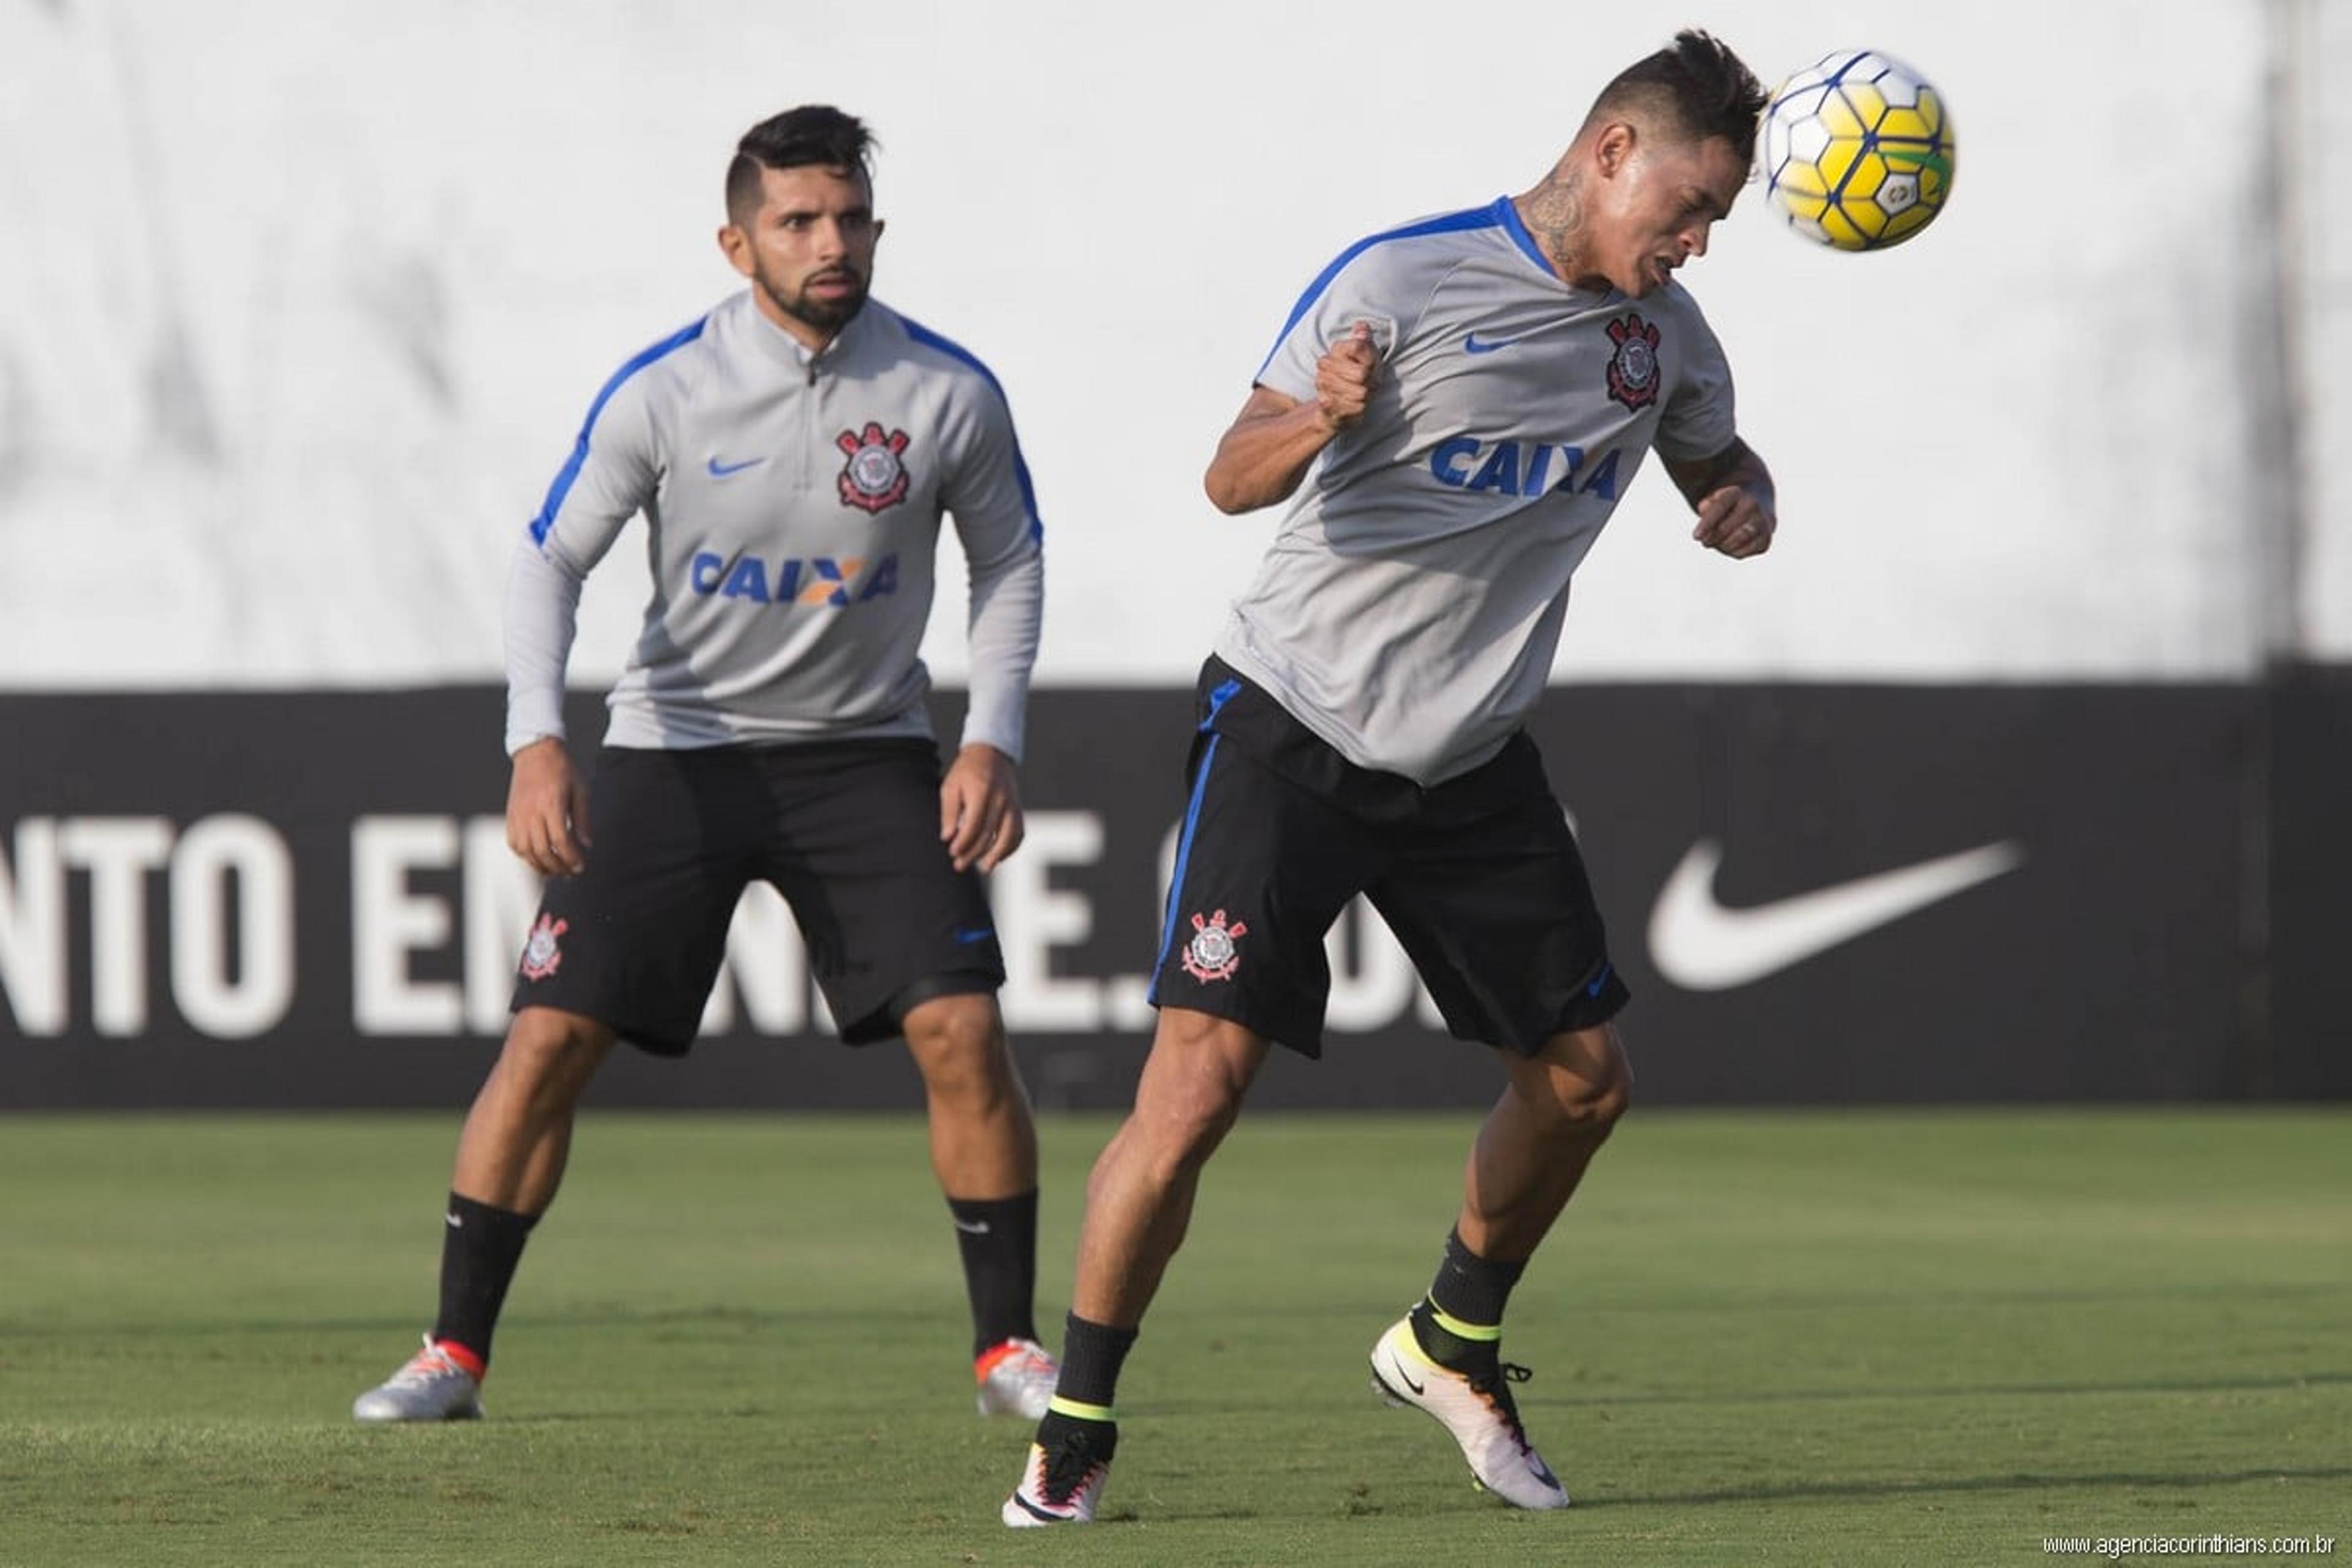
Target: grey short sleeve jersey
column 1410, row 604
column 792, row 505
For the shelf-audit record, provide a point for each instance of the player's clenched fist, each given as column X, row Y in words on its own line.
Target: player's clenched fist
column 1344, row 378
column 1737, row 521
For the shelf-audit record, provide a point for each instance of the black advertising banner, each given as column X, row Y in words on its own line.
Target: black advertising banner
column 1819, row 894
column 2308, row 1049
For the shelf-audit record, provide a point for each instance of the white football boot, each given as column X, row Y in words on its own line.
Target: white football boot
column 1015, row 1378
column 1479, row 1412
column 1063, row 1487
column 431, row 1387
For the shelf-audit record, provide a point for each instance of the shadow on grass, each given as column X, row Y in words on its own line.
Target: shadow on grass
column 1569, row 1397
column 1230, row 1326
column 609, row 1316
column 1979, row 1390
column 1474, row 1502
column 1965, row 1486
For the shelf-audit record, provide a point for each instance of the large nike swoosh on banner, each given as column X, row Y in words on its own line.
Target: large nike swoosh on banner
column 1700, row 945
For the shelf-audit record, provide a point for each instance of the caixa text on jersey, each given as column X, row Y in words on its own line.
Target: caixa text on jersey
column 1466, row 463
column 832, row 582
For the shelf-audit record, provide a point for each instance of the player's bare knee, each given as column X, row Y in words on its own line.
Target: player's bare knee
column 1580, row 1085
column 1164, row 1144
column 963, row 1024
column 978, row 1081
column 1190, row 1131
column 1188, row 1098
column 958, row 1046
column 548, row 1041
column 1594, row 1108
column 1181, row 1119
column 550, row 1055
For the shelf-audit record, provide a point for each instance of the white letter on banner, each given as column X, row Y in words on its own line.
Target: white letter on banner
column 117, row 852
column 1374, row 991
column 388, row 923
column 33, row 930
column 209, row 854
column 766, row 965
column 502, row 894
column 1032, row 919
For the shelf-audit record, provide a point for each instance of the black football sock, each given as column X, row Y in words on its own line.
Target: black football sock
column 1092, row 1354
column 481, row 1248
column 998, row 1238
column 1101, row 1437
column 1459, row 1324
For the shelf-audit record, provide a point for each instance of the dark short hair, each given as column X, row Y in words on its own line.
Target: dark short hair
column 1696, row 85
column 814, row 133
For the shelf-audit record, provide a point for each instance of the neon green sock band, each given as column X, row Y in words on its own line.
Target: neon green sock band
column 1077, row 1412
column 1482, row 1333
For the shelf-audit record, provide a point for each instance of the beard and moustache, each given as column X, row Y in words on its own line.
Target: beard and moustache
column 825, row 315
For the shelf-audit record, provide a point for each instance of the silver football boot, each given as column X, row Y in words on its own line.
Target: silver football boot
column 431, row 1387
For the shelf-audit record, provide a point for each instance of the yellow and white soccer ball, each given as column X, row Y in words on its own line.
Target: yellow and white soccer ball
column 1856, row 151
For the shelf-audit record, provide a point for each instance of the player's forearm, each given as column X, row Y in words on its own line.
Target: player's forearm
column 542, row 615
column 1262, row 458
column 1008, row 603
column 1736, row 464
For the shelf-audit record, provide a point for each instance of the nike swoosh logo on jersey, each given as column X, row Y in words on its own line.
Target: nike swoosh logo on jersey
column 1701, row 945
column 1471, row 345
column 719, row 470
column 969, row 934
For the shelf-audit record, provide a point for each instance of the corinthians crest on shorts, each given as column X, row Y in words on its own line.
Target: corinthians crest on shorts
column 1212, row 953
column 874, row 477
column 1633, row 368
column 541, row 955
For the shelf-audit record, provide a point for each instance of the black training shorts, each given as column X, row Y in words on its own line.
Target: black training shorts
column 1478, row 876
column 848, row 831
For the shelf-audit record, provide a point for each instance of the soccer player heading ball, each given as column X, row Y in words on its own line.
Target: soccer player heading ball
column 1451, row 411
column 793, row 453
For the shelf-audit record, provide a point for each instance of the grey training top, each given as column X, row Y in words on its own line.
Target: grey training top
column 1410, row 604
column 792, row 505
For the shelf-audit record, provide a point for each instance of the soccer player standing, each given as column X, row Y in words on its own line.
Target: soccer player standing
column 793, row 453
column 1452, row 411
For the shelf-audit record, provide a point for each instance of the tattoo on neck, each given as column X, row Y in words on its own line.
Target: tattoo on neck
column 1555, row 213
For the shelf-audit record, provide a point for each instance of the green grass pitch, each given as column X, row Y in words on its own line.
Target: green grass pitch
column 1758, row 1337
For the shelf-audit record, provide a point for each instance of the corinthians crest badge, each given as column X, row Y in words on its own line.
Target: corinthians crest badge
column 873, row 479
column 541, row 955
column 1633, row 368
column 1212, row 953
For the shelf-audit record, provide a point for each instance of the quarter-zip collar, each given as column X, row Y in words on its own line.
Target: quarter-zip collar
column 790, row 351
